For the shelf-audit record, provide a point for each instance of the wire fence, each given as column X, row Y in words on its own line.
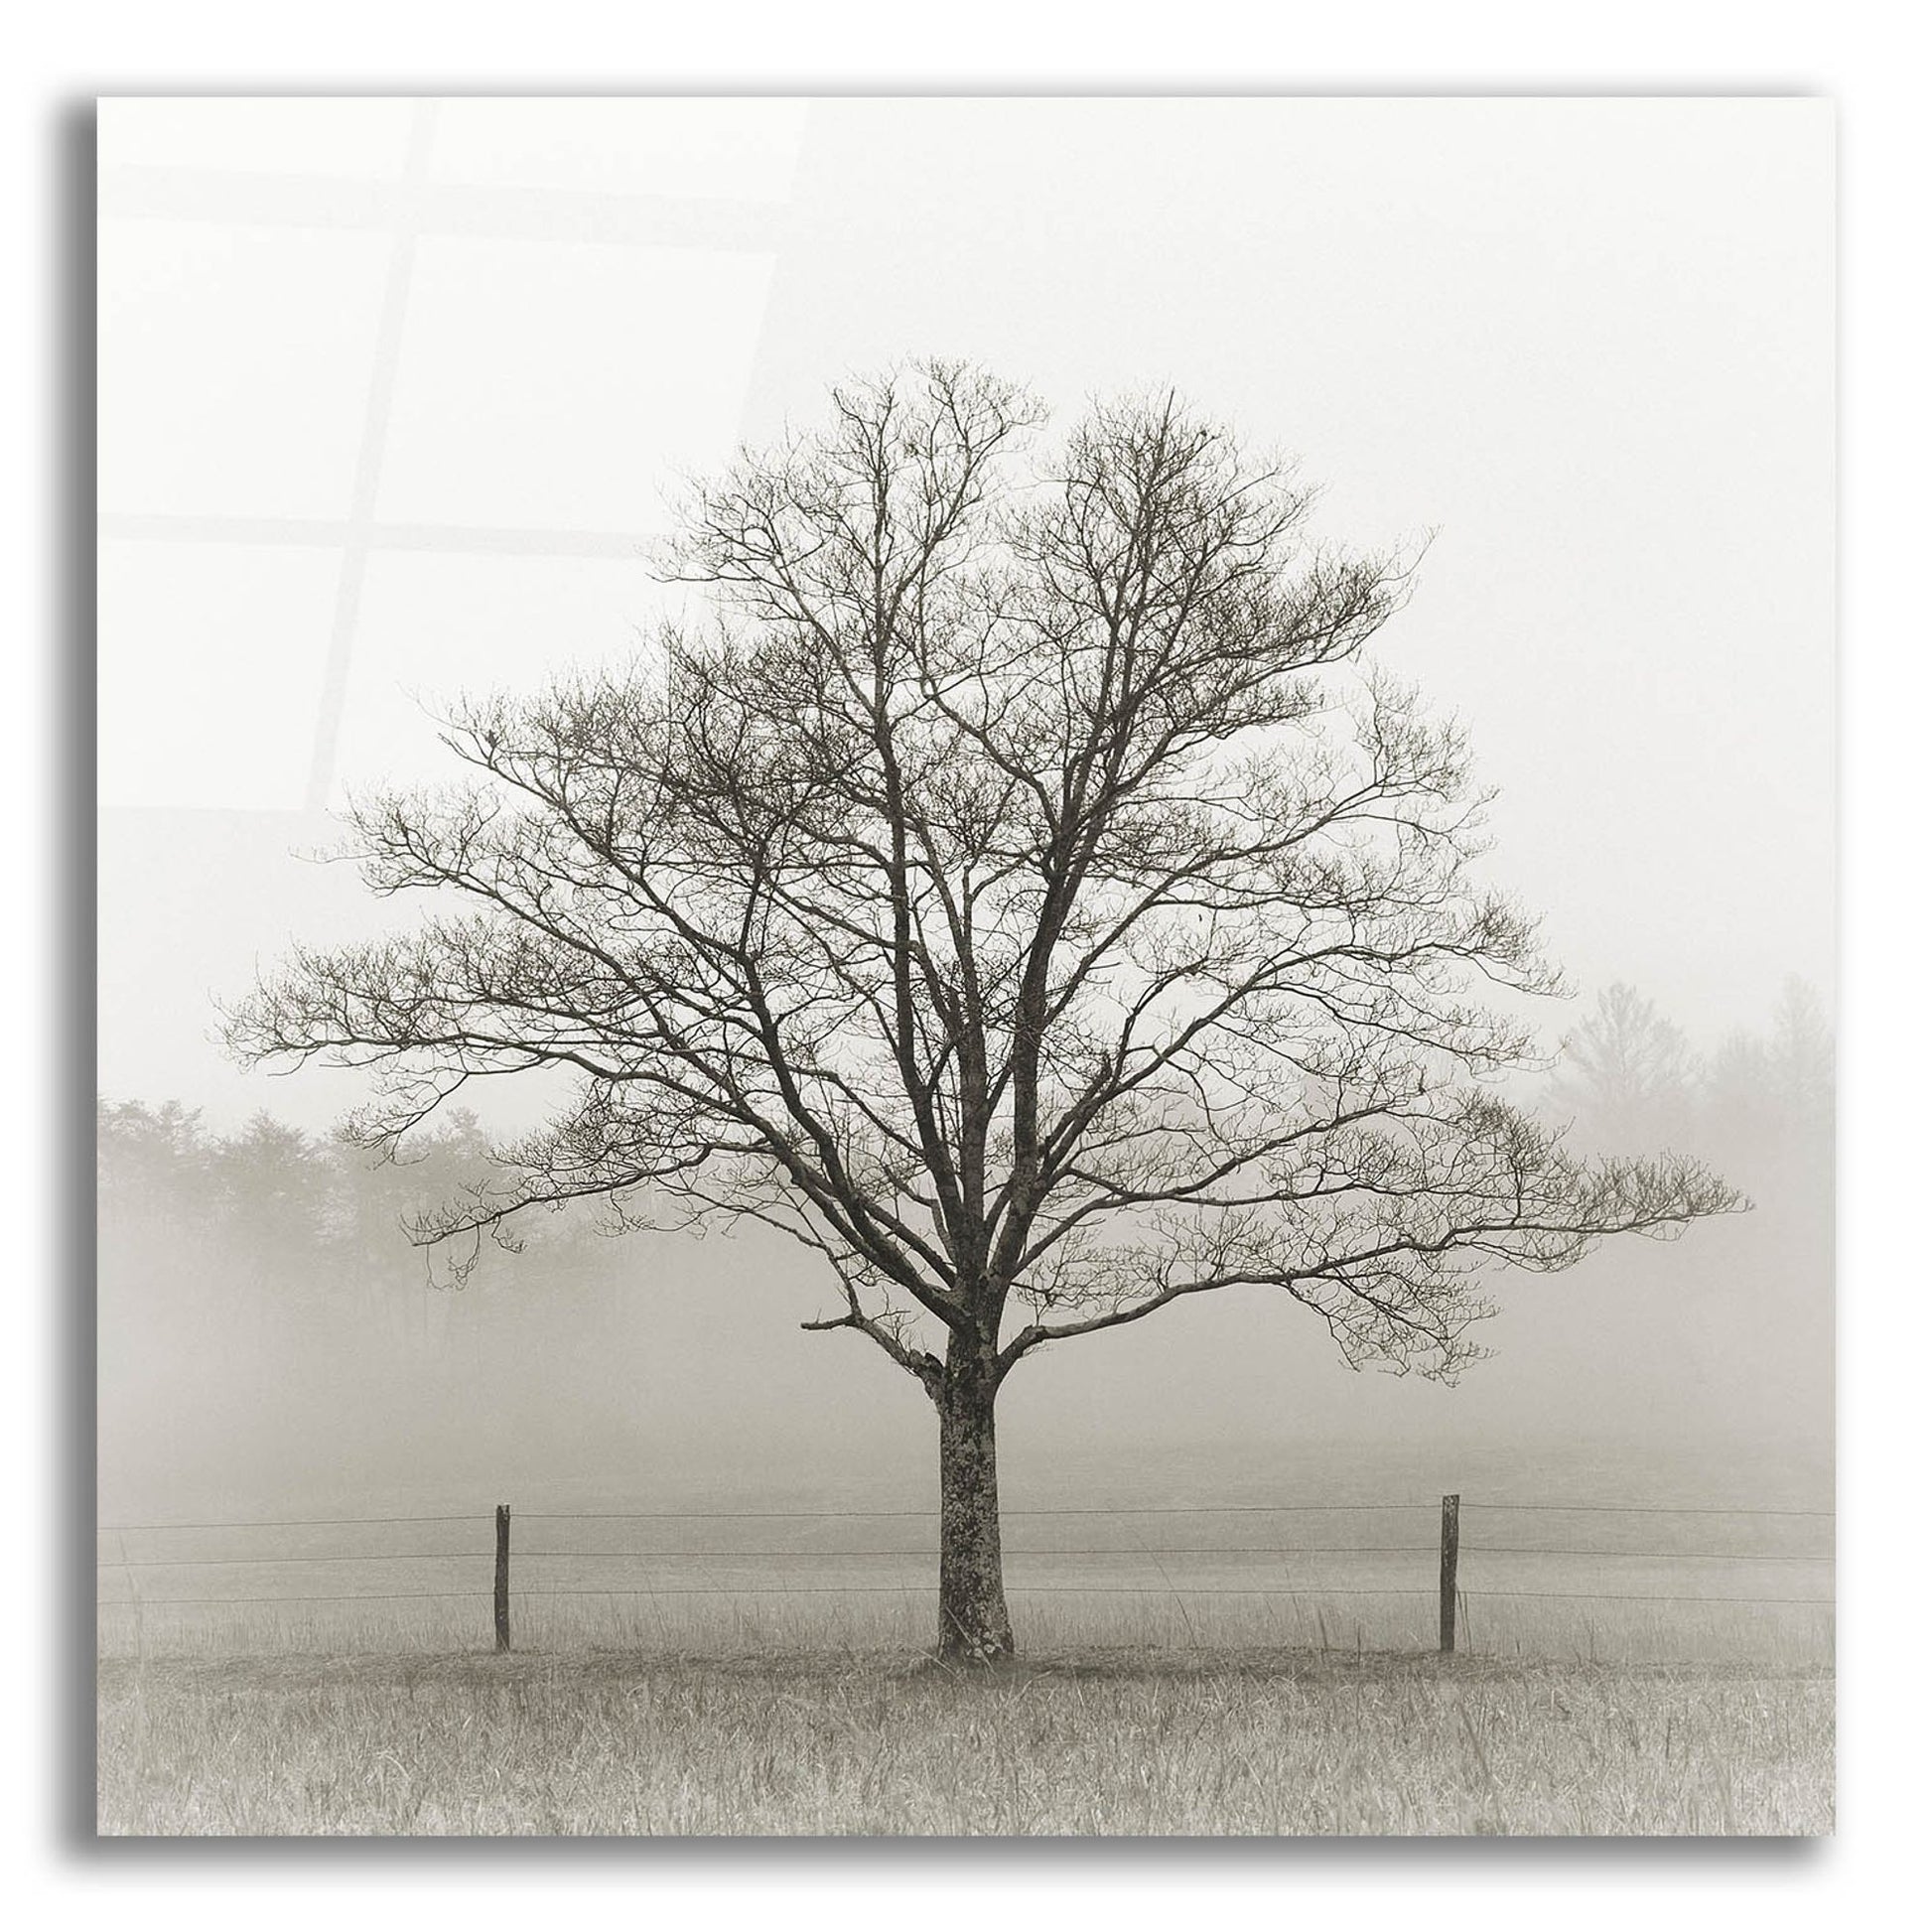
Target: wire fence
column 571, row 1564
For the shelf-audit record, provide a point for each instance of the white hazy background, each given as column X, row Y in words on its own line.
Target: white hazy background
column 390, row 397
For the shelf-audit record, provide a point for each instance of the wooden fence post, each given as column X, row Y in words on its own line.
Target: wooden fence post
column 1452, row 1536
column 502, row 1575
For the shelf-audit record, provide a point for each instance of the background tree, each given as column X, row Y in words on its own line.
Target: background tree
column 1628, row 1071
column 1803, row 1058
column 152, row 1165
column 1024, row 894
column 1768, row 1098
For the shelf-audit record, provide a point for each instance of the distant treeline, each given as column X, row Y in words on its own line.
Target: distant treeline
column 267, row 1328
column 324, row 1219
column 317, row 1216
column 1758, row 1105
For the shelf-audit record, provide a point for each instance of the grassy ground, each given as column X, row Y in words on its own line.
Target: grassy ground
column 872, row 1743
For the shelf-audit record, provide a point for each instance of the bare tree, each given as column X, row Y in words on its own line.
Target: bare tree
column 1768, row 1098
column 1803, row 1056
column 1024, row 895
column 1626, row 1068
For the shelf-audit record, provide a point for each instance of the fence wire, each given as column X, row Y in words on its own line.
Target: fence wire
column 1168, row 1587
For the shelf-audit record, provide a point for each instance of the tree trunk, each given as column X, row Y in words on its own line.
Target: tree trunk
column 973, row 1623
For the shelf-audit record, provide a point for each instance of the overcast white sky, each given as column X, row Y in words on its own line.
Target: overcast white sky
column 391, row 395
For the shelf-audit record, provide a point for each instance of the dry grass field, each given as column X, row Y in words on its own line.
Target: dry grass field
column 1225, row 1668
column 1147, row 1742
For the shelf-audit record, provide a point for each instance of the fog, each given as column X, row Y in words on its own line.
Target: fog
column 268, row 1337
column 392, row 398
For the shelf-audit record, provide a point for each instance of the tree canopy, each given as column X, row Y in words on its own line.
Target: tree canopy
column 1023, row 892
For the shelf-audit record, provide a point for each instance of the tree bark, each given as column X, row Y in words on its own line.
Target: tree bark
column 973, row 1623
